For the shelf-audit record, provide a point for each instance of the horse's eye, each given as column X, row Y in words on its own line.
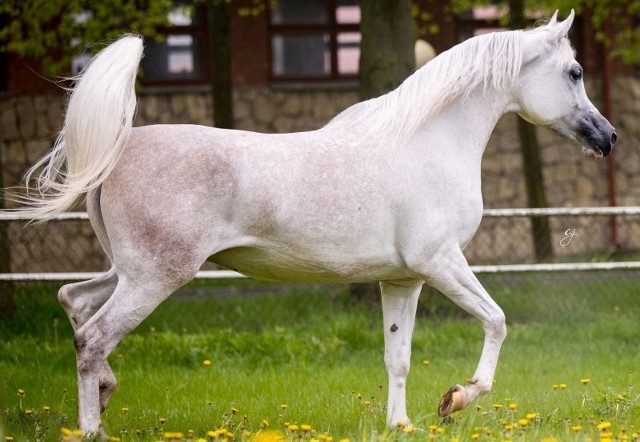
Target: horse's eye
column 575, row 73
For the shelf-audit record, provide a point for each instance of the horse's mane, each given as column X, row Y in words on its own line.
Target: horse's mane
column 492, row 59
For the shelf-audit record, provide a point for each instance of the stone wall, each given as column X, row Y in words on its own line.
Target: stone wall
column 28, row 126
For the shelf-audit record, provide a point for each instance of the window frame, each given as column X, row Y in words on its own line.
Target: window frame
column 331, row 28
column 199, row 31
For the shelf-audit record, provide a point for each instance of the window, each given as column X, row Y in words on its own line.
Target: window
column 181, row 56
column 315, row 39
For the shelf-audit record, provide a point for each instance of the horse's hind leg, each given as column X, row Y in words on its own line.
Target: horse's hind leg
column 399, row 303
column 81, row 301
column 129, row 305
column 449, row 272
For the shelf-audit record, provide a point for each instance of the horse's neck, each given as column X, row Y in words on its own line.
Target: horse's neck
column 467, row 123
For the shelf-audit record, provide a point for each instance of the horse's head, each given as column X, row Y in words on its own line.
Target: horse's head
column 551, row 91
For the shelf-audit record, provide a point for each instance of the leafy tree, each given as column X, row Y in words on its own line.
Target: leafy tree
column 55, row 31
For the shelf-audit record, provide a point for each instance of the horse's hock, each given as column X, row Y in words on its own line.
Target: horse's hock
column 29, row 124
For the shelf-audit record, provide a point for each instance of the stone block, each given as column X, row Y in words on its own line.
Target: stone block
column 8, row 121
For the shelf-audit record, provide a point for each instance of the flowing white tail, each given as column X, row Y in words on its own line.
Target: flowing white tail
column 97, row 125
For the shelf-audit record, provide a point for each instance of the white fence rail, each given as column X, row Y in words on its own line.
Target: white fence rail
column 6, row 216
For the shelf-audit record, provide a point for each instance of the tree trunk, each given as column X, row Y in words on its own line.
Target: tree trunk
column 386, row 59
column 7, row 302
column 532, row 164
column 387, row 46
column 220, row 55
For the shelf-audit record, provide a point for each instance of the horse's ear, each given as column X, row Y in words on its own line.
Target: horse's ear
column 565, row 26
column 562, row 28
column 554, row 20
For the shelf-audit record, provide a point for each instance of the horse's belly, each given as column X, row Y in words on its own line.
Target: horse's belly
column 278, row 265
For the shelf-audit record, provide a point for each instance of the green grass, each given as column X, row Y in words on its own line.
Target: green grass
column 315, row 351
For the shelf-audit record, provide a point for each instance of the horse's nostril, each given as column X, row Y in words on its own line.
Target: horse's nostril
column 614, row 137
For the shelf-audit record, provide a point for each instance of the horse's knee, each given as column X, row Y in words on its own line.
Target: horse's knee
column 398, row 368
column 495, row 325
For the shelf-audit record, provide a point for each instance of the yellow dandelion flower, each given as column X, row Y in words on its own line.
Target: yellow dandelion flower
column 475, row 436
column 162, row 420
column 531, row 416
column 433, row 428
column 425, row 362
column 345, row 440
column 206, row 362
column 512, row 406
column 9, row 439
column 562, row 386
column 28, row 411
column 201, row 439
column 507, row 426
column 283, row 406
column 269, row 436
column 20, row 392
column 125, row 410
column 65, row 431
column 576, row 428
column 305, row 427
column 264, row 423
column 497, row 406
column 550, row 439
column 523, row 422
column 367, row 403
column 173, row 435
column 409, row 429
column 46, row 409
column 556, row 386
column 585, row 381
column 293, row 427
column 604, row 426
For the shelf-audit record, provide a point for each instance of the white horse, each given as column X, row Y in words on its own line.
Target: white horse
column 388, row 191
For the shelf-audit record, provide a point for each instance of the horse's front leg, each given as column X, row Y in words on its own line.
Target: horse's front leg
column 449, row 272
column 399, row 304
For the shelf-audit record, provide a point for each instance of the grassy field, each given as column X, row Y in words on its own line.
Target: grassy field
column 261, row 361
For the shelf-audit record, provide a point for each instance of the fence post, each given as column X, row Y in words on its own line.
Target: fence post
column 7, row 301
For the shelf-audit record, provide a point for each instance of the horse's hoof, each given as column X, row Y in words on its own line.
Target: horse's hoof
column 452, row 401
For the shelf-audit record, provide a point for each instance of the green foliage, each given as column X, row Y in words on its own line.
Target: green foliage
column 54, row 31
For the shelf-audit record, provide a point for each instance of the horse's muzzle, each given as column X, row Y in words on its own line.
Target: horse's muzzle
column 596, row 134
